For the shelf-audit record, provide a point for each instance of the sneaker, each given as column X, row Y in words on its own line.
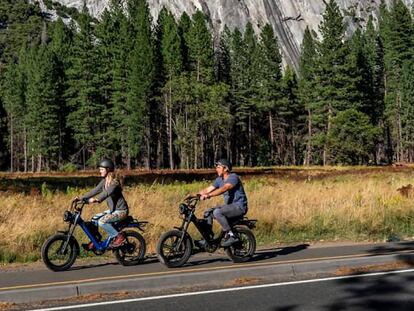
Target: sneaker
column 229, row 241
column 88, row 247
column 201, row 243
column 119, row 240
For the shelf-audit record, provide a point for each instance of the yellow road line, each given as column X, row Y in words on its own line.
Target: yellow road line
column 244, row 265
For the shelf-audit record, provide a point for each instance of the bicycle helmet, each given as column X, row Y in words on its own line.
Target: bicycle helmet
column 224, row 163
column 108, row 164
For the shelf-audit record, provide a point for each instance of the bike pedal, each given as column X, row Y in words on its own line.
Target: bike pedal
column 87, row 247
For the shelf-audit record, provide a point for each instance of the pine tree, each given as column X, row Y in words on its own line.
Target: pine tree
column 269, row 74
column 332, row 54
column 307, row 86
column 397, row 33
column 140, row 82
column 42, row 109
column 87, row 116
column 352, row 138
column 170, row 45
column 62, row 38
column 201, row 69
column 13, row 96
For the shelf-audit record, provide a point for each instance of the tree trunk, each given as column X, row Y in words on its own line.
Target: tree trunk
column 11, row 144
column 39, row 163
column 170, row 134
column 148, row 143
column 83, row 158
column 250, row 140
column 272, row 136
column 325, row 149
column 33, row 163
column 26, row 159
column 309, row 143
column 400, row 151
column 293, row 147
column 128, row 160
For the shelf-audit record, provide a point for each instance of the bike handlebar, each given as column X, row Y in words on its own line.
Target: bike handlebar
column 77, row 202
column 192, row 200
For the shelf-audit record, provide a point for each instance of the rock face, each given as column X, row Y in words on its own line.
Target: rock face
column 289, row 18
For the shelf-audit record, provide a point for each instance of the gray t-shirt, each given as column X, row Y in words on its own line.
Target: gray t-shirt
column 236, row 194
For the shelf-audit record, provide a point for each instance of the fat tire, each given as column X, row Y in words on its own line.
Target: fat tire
column 186, row 252
column 72, row 247
column 245, row 235
column 122, row 251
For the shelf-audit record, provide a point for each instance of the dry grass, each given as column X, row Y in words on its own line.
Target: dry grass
column 358, row 208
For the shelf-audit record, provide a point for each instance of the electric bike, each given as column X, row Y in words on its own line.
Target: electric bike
column 175, row 247
column 60, row 251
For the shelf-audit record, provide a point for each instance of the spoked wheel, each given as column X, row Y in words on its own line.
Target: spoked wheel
column 55, row 257
column 170, row 253
column 244, row 249
column 132, row 252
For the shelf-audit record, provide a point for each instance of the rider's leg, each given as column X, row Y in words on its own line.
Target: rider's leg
column 221, row 213
column 105, row 222
column 95, row 221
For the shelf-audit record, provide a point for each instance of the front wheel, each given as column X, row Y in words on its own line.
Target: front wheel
column 55, row 257
column 132, row 252
column 170, row 253
column 244, row 249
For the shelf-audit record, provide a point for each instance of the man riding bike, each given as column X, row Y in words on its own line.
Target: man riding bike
column 235, row 199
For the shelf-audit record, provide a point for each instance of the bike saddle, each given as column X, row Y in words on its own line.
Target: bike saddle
column 234, row 220
column 124, row 221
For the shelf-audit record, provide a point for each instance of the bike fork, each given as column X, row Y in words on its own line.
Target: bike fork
column 65, row 245
column 184, row 230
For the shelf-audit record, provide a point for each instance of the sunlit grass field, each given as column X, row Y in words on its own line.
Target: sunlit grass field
column 360, row 207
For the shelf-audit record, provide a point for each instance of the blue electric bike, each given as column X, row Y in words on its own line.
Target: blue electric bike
column 59, row 251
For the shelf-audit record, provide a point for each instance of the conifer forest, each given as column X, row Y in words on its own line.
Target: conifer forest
column 170, row 93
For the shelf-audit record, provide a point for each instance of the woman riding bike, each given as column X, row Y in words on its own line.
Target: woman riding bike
column 108, row 189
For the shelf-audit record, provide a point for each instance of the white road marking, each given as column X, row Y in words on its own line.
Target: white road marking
column 223, row 290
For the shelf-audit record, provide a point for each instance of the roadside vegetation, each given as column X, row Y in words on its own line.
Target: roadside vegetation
column 353, row 207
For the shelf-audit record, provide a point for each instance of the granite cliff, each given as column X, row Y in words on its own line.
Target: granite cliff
column 289, row 18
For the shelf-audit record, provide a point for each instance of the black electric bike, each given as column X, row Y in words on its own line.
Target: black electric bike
column 59, row 251
column 175, row 247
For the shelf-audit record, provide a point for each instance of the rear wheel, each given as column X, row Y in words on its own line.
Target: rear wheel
column 132, row 252
column 168, row 251
column 53, row 255
column 244, row 249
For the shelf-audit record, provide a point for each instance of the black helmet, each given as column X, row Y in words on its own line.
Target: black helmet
column 224, row 162
column 108, row 164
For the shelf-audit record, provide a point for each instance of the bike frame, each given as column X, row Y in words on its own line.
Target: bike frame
column 100, row 246
column 191, row 218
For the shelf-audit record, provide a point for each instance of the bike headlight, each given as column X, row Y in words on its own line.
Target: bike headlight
column 68, row 216
column 183, row 208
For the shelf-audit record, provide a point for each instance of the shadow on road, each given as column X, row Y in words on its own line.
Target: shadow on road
column 392, row 248
column 274, row 252
column 147, row 260
column 371, row 293
column 260, row 255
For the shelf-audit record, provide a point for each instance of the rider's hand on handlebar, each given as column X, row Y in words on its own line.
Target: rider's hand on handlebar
column 204, row 197
column 191, row 196
column 92, row 200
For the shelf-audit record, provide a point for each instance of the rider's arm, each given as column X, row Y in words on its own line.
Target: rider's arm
column 94, row 191
column 207, row 190
column 220, row 190
column 108, row 191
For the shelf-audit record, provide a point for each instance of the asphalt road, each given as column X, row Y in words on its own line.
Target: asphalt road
column 39, row 275
column 32, row 283
column 379, row 291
